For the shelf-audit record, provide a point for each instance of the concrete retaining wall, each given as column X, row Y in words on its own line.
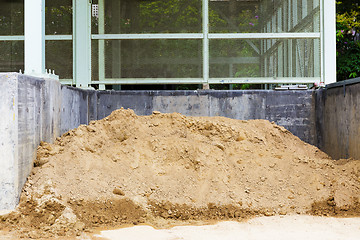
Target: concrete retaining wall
column 8, row 142
column 338, row 119
column 35, row 110
column 295, row 110
column 30, row 113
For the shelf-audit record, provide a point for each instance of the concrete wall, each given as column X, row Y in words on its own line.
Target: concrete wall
column 338, row 119
column 30, row 113
column 295, row 110
column 75, row 107
column 35, row 110
column 8, row 141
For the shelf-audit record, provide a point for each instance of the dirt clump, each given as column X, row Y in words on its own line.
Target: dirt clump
column 129, row 169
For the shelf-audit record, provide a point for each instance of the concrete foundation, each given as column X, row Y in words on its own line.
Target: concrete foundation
column 9, row 184
column 295, row 110
column 35, row 110
column 30, row 109
column 338, row 119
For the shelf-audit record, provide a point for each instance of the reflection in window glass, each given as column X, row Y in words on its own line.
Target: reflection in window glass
column 160, row 16
column 59, row 58
column 265, row 58
column 291, row 58
column 234, row 16
column 12, row 18
column 11, row 56
column 255, row 16
column 234, row 58
column 151, row 59
column 58, row 16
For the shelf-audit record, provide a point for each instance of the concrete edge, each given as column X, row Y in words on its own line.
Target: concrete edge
column 343, row 83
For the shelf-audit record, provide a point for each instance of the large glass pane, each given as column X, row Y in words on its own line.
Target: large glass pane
column 147, row 58
column 11, row 56
column 265, row 58
column 152, row 16
column 59, row 58
column 291, row 58
column 12, row 17
column 234, row 58
column 58, row 17
column 266, row 16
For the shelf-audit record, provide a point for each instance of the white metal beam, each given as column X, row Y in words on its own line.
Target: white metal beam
column 329, row 41
column 34, row 37
column 148, row 36
column 300, row 35
column 12, row 38
column 82, row 42
column 47, row 37
column 111, row 81
column 101, row 29
column 258, row 80
column 264, row 80
column 205, row 23
column 58, row 37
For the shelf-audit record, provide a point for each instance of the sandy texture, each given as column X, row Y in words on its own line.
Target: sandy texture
column 169, row 169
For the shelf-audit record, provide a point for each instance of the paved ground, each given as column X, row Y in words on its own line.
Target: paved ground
column 264, row 228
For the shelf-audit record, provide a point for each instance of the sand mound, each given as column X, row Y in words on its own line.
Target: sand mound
column 129, row 169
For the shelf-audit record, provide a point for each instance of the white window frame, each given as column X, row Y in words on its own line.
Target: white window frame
column 35, row 46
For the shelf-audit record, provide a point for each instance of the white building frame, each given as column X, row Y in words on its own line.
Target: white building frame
column 35, row 46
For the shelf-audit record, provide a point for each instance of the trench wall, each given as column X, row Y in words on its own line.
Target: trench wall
column 292, row 109
column 34, row 109
column 338, row 119
column 295, row 110
column 30, row 113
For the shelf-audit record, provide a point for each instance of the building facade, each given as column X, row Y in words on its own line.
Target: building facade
column 117, row 42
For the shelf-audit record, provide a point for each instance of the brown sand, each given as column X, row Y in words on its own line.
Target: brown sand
column 171, row 169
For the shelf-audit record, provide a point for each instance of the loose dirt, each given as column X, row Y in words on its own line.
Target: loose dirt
column 168, row 169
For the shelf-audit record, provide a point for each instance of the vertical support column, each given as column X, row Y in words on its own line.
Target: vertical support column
column 317, row 43
column 285, row 43
column 329, row 41
column 9, row 153
column 82, row 42
column 205, row 22
column 101, row 44
column 34, row 37
column 116, row 44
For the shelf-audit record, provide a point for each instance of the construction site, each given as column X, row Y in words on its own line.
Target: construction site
column 110, row 146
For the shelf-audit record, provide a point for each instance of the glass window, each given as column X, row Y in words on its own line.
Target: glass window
column 58, row 21
column 264, row 58
column 58, row 17
column 234, row 58
column 12, row 17
column 255, row 16
column 234, row 16
column 148, row 58
column 59, row 58
column 138, row 16
column 11, row 56
column 291, row 58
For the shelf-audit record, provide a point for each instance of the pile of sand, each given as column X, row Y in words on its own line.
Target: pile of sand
column 168, row 168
